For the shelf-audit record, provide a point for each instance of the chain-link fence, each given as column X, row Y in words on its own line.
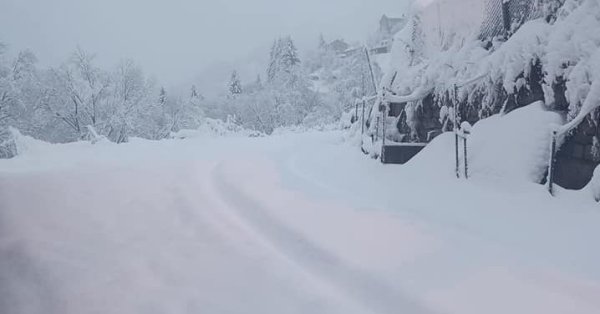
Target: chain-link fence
column 493, row 25
column 503, row 17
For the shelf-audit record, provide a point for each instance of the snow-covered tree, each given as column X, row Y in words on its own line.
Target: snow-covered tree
column 7, row 149
column 5, row 88
column 194, row 94
column 274, row 60
column 77, row 93
column 162, row 97
column 235, row 85
column 129, row 98
column 322, row 43
column 289, row 59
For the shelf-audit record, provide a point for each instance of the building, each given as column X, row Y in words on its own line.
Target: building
column 390, row 26
column 382, row 40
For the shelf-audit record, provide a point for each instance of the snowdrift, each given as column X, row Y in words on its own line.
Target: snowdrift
column 19, row 145
column 513, row 147
column 25, row 144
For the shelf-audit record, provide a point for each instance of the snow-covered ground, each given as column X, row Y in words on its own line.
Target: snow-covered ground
column 294, row 223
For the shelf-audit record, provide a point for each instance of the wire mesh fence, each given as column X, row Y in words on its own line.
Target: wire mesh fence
column 503, row 17
column 493, row 25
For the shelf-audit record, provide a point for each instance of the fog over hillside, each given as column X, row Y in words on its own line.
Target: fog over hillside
column 176, row 40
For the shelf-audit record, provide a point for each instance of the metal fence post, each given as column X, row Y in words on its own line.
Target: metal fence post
column 456, row 131
column 362, row 130
column 383, row 129
column 466, row 159
column 377, row 129
column 551, row 166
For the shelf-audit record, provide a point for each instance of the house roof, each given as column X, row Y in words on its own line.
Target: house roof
column 391, row 25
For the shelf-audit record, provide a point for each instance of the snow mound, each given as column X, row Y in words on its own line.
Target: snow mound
column 515, row 146
column 437, row 158
column 27, row 144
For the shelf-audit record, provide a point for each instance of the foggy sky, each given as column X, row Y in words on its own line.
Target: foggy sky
column 175, row 39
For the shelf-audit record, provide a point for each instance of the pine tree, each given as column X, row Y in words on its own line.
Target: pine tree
column 162, row 97
column 289, row 55
column 284, row 61
column 235, row 85
column 274, row 60
column 322, row 43
column 194, row 92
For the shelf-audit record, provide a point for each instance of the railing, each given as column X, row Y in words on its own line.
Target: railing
column 505, row 17
column 462, row 131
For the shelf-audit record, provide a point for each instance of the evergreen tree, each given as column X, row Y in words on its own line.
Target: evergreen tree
column 235, row 85
column 274, row 58
column 162, row 97
column 284, row 62
column 194, row 92
column 289, row 55
column 322, row 43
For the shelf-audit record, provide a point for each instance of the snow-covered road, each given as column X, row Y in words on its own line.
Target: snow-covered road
column 287, row 224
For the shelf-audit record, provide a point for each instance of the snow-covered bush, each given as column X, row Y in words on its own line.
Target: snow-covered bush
column 215, row 127
column 57, row 104
column 8, row 147
column 92, row 135
column 19, row 144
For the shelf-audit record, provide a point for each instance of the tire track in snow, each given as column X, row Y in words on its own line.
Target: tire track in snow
column 357, row 284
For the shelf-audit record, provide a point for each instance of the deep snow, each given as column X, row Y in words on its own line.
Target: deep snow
column 294, row 223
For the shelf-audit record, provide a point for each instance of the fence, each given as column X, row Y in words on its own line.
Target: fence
column 503, row 18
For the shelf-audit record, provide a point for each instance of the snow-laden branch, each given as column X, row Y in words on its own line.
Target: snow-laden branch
column 591, row 103
column 367, row 98
column 416, row 95
column 471, row 81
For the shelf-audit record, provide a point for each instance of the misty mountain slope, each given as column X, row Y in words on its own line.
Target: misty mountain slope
column 299, row 223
